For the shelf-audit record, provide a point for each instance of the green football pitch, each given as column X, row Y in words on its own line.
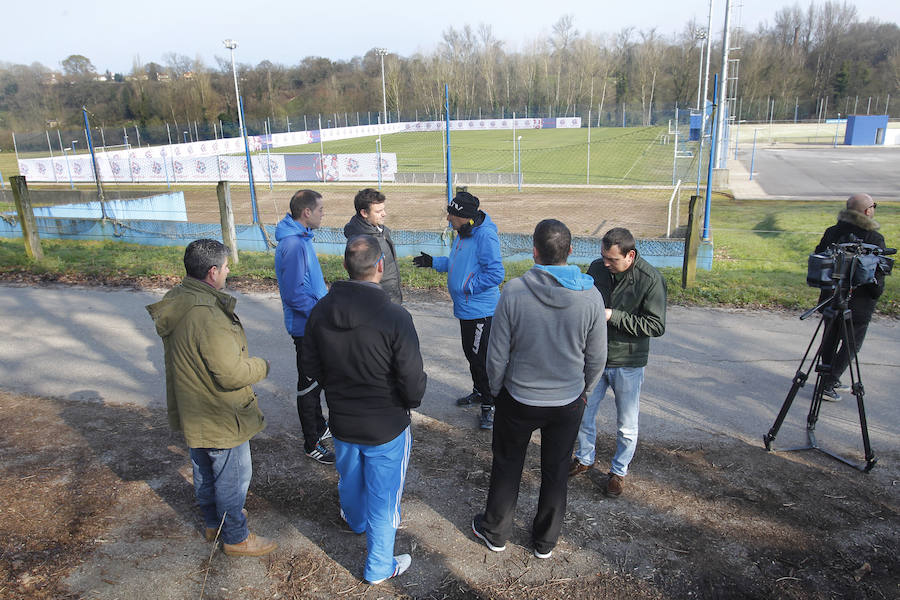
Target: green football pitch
column 615, row 156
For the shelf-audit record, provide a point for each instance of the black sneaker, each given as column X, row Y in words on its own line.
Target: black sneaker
column 487, row 417
column 476, row 525
column 473, row 398
column 327, row 434
column 321, row 454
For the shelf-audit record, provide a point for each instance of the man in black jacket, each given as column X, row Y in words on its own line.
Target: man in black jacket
column 364, row 351
column 369, row 220
column 857, row 220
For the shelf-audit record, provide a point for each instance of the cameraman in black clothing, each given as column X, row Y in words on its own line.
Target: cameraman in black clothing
column 856, row 220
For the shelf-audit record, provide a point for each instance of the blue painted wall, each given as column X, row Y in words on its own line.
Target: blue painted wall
column 862, row 130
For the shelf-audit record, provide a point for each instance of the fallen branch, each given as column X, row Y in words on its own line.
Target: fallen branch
column 211, row 552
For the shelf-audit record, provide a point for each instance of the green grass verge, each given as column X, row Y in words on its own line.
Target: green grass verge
column 760, row 259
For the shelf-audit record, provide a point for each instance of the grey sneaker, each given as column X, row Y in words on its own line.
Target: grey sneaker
column 841, row 387
column 487, row 417
column 403, row 561
column 321, row 454
column 829, row 395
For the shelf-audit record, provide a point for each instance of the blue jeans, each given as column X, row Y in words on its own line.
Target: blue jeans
column 221, row 480
column 626, row 386
column 370, row 487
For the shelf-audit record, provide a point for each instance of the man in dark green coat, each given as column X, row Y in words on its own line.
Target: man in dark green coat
column 209, row 374
column 634, row 294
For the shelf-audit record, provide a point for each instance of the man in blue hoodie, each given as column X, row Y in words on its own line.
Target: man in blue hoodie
column 301, row 285
column 547, row 352
column 474, row 274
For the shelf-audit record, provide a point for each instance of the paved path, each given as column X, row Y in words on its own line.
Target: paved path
column 822, row 172
column 716, row 374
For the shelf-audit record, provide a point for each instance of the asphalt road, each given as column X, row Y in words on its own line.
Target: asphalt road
column 825, row 172
column 716, row 374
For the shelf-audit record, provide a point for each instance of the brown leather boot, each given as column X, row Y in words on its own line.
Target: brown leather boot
column 210, row 532
column 614, row 486
column 576, row 468
column 254, row 545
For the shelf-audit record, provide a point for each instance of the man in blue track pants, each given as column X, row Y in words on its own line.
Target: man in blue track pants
column 364, row 351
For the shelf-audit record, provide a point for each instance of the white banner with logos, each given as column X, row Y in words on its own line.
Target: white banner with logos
column 196, row 161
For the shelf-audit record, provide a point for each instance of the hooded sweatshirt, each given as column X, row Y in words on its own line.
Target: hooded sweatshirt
column 390, row 282
column 299, row 274
column 474, row 270
column 364, row 350
column 208, row 369
column 548, row 337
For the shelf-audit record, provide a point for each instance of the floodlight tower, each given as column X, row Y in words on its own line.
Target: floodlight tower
column 382, row 52
column 231, row 45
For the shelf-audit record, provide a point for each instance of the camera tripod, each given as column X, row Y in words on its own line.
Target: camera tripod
column 837, row 326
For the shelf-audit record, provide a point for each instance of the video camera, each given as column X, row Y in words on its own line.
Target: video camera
column 853, row 263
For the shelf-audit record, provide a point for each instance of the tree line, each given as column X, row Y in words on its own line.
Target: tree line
column 811, row 60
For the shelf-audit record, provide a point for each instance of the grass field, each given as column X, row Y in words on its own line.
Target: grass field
column 618, row 156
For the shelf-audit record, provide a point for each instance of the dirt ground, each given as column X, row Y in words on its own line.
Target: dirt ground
column 96, row 502
column 587, row 211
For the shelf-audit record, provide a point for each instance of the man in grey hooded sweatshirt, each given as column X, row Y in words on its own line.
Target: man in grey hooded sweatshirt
column 546, row 353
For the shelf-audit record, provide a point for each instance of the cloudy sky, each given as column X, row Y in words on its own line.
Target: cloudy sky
column 113, row 33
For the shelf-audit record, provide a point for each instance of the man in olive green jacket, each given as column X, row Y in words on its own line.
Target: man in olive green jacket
column 209, row 374
column 634, row 294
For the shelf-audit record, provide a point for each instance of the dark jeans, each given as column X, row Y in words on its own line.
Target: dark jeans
column 514, row 423
column 475, row 335
column 309, row 404
column 832, row 341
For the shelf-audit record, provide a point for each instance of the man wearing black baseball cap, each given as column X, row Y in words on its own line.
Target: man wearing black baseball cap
column 474, row 274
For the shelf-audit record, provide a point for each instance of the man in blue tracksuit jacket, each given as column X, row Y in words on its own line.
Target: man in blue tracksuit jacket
column 474, row 274
column 301, row 285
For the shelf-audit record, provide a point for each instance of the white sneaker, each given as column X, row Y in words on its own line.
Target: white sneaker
column 542, row 554
column 403, row 562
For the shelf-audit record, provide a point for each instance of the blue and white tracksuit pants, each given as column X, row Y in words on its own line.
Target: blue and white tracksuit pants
column 370, row 487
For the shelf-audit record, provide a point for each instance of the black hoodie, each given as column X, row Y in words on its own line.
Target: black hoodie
column 364, row 351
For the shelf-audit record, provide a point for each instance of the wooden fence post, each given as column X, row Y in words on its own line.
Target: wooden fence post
column 691, row 245
column 26, row 217
column 226, row 214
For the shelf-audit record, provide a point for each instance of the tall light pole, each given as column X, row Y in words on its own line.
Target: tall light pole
column 231, row 45
column 702, row 36
column 381, row 52
column 706, row 70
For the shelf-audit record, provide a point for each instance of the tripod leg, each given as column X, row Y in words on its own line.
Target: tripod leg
column 860, row 393
column 799, row 381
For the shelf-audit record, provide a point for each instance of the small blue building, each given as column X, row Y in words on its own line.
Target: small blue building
column 865, row 130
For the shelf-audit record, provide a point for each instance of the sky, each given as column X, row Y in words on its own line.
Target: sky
column 112, row 34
